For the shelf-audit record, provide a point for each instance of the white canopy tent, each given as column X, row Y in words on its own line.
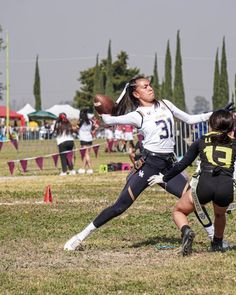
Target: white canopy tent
column 27, row 109
column 72, row 113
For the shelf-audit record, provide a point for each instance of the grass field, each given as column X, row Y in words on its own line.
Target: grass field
column 125, row 256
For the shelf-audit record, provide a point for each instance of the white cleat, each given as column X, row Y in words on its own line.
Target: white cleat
column 90, row 171
column 63, row 174
column 81, row 171
column 73, row 244
column 72, row 172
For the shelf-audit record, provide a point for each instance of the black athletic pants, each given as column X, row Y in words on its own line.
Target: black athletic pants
column 138, row 183
column 63, row 147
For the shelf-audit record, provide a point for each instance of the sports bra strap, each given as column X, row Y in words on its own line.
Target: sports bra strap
column 141, row 114
column 166, row 105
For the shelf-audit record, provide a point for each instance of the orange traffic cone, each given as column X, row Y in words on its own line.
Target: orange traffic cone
column 48, row 195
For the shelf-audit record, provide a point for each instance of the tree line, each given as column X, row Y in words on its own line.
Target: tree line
column 109, row 77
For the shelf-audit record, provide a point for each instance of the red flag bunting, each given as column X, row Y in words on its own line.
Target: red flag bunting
column 39, row 162
column 15, row 143
column 24, row 164
column 11, row 165
column 55, row 159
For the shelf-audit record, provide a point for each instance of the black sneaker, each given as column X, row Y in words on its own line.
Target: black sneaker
column 217, row 247
column 187, row 242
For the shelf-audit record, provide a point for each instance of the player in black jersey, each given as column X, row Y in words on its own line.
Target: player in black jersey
column 217, row 152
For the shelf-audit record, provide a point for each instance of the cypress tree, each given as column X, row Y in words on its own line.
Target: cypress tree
column 162, row 89
column 109, row 84
column 168, row 92
column 216, row 102
column 98, row 79
column 224, row 85
column 37, row 91
column 155, row 79
column 178, row 93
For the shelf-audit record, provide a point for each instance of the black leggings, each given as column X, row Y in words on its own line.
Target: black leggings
column 63, row 147
column 136, row 184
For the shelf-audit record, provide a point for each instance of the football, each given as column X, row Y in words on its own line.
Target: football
column 103, row 104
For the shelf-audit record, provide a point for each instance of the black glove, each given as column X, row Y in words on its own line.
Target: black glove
column 229, row 107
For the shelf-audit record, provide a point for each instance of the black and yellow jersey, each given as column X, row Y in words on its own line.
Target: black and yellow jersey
column 211, row 156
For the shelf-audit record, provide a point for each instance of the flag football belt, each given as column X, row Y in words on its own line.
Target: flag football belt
column 198, row 207
column 231, row 207
column 169, row 157
column 137, row 165
column 216, row 171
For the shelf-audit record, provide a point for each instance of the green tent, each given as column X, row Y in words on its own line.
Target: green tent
column 41, row 115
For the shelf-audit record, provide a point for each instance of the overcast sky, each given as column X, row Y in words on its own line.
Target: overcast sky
column 67, row 35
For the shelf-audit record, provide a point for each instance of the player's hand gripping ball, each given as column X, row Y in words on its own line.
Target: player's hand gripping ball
column 103, row 104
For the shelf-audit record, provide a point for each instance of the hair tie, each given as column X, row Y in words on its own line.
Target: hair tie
column 122, row 93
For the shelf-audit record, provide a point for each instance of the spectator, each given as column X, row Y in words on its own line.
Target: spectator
column 87, row 128
column 65, row 142
column 109, row 136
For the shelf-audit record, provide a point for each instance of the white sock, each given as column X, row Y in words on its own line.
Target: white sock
column 210, row 231
column 87, row 231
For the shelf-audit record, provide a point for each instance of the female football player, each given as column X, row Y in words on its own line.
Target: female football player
column 155, row 120
column 217, row 151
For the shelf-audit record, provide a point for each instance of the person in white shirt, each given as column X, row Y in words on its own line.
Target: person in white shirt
column 154, row 119
column 118, row 137
column 65, row 142
column 109, row 136
column 86, row 129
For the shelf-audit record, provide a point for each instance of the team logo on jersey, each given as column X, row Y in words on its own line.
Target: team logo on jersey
column 141, row 173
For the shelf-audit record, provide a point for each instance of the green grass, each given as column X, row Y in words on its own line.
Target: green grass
column 122, row 257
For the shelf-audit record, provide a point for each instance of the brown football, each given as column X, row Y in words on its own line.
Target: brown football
column 103, row 104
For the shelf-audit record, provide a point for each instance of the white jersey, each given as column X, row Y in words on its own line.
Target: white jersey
column 85, row 132
column 156, row 124
column 109, row 133
column 64, row 137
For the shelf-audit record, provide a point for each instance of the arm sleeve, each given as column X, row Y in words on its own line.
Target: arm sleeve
column 189, row 119
column 132, row 118
column 188, row 158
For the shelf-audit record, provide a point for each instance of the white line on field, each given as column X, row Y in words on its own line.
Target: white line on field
column 15, row 203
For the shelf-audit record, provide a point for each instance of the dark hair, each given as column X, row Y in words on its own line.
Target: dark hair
column 83, row 117
column 62, row 125
column 222, row 122
column 129, row 102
